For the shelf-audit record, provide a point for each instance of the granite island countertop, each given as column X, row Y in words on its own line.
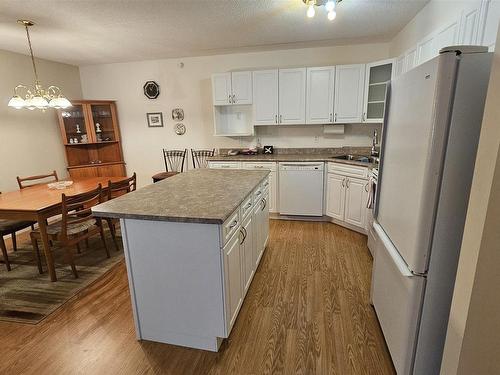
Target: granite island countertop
column 197, row 196
column 289, row 158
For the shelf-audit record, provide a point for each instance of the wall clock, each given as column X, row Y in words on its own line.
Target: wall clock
column 151, row 89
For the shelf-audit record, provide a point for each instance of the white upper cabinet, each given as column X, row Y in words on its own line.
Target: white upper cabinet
column 319, row 95
column 378, row 76
column 292, row 96
column 469, row 24
column 241, row 84
column 221, row 88
column 265, row 97
column 232, row 88
column 447, row 36
column 489, row 34
column 349, row 93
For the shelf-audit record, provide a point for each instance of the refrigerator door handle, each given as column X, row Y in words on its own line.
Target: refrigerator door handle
column 393, row 252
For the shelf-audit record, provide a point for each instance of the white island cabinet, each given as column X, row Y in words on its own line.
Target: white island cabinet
column 190, row 262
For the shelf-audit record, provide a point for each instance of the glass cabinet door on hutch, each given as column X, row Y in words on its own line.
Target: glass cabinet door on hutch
column 75, row 125
column 103, row 122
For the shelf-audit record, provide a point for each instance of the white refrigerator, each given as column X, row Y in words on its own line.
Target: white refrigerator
column 429, row 142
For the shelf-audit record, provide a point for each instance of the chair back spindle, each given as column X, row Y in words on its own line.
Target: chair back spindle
column 174, row 160
column 200, row 157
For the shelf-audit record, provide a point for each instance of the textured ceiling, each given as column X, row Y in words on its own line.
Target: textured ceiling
column 103, row 31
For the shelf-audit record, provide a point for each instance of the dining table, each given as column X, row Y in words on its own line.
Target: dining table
column 39, row 203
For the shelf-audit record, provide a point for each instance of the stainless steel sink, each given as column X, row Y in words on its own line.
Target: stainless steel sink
column 359, row 158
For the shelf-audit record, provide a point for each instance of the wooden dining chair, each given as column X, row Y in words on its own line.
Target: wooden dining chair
column 174, row 160
column 76, row 224
column 25, row 182
column 115, row 190
column 200, row 157
column 11, row 227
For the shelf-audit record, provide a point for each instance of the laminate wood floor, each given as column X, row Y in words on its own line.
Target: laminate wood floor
column 307, row 312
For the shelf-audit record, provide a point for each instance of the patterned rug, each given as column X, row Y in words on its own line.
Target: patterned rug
column 28, row 297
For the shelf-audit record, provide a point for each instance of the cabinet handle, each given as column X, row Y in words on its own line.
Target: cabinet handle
column 281, row 119
column 230, row 99
column 331, row 117
column 264, row 203
column 258, row 193
column 243, row 231
column 248, row 205
column 276, row 119
column 366, row 187
column 234, row 98
column 347, row 183
column 233, row 224
column 343, row 182
column 335, row 120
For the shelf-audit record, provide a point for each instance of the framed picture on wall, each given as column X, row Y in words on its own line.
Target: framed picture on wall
column 155, row 119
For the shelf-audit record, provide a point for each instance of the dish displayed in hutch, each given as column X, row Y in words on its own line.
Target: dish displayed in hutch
column 91, row 138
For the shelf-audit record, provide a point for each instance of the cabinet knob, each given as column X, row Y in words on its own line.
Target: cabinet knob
column 281, row 119
column 230, row 99
column 335, row 117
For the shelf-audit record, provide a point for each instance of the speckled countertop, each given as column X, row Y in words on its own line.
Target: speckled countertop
column 289, row 158
column 197, row 196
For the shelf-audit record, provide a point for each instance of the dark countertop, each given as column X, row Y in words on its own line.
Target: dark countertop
column 288, row 158
column 197, row 196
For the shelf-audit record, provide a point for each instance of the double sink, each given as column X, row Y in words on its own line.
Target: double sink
column 359, row 158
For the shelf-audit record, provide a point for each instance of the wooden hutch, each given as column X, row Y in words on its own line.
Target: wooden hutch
column 91, row 138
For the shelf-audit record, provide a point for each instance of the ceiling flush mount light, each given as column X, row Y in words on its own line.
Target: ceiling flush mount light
column 330, row 7
column 36, row 97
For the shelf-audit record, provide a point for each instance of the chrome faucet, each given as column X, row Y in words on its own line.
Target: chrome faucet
column 374, row 151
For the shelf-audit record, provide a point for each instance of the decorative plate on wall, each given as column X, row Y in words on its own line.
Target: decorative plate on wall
column 180, row 128
column 151, row 89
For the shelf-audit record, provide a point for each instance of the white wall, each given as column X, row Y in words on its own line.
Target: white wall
column 190, row 88
column 30, row 141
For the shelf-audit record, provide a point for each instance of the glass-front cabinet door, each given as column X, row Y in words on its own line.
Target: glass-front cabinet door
column 103, row 122
column 74, row 122
column 378, row 76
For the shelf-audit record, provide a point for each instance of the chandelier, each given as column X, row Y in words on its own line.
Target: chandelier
column 330, row 6
column 36, row 96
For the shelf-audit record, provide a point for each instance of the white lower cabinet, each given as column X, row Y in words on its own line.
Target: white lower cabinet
column 335, row 198
column 243, row 250
column 232, row 280
column 246, row 249
column 347, row 196
column 355, row 202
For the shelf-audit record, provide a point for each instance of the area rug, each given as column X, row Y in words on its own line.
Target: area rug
column 28, row 297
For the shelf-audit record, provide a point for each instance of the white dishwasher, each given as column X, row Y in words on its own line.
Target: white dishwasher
column 301, row 188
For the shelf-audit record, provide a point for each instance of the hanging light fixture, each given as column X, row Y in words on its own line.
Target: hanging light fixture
column 330, row 6
column 36, row 97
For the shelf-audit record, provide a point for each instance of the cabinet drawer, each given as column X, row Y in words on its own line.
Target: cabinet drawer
column 265, row 184
column 271, row 166
column 257, row 194
column 246, row 207
column 224, row 165
column 348, row 170
column 230, row 226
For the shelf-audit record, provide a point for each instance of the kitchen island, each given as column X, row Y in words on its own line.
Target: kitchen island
column 192, row 245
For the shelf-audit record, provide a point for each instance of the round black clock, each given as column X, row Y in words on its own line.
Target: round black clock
column 151, row 89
